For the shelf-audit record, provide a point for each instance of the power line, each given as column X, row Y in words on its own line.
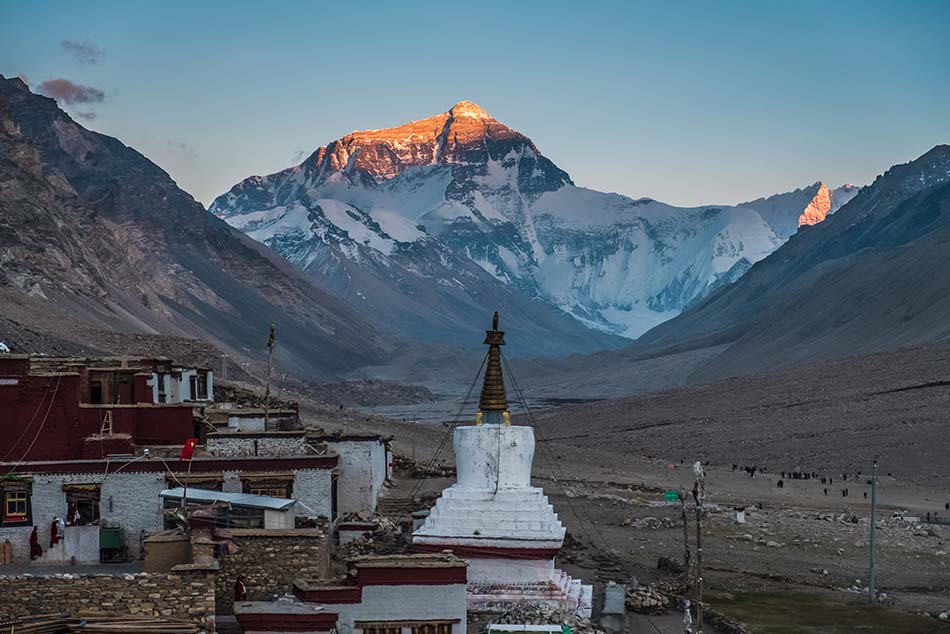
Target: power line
column 38, row 431
column 559, row 476
column 448, row 432
column 26, row 428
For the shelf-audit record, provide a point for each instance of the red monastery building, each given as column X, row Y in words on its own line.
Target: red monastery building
column 69, row 409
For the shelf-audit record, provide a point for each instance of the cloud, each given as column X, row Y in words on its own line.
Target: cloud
column 88, row 116
column 182, row 148
column 298, row 155
column 85, row 52
column 65, row 91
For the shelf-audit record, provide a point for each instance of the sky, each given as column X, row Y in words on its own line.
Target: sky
column 687, row 102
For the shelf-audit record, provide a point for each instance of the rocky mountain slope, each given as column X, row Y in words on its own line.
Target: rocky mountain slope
column 95, row 230
column 874, row 276
column 426, row 222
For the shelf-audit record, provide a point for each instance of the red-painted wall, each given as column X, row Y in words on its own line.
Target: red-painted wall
column 41, row 419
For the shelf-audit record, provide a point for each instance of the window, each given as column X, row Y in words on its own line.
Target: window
column 432, row 628
column 95, row 392
column 380, row 628
column 271, row 486
column 275, row 492
column 82, row 504
column 205, row 483
column 160, row 384
column 202, row 391
column 15, row 507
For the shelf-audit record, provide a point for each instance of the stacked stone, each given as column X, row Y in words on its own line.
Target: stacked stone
column 189, row 596
column 648, row 600
column 269, row 561
column 541, row 614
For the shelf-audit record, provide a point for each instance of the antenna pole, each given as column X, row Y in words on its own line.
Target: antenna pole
column 271, row 339
column 687, row 620
column 699, row 493
column 872, row 573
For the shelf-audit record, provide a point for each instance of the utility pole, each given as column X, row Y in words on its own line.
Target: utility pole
column 699, row 493
column 271, row 340
column 224, row 367
column 871, row 571
column 687, row 618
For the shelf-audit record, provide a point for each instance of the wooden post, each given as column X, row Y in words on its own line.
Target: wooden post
column 271, row 339
column 699, row 493
column 872, row 570
column 687, row 621
column 686, row 554
column 184, row 494
column 699, row 568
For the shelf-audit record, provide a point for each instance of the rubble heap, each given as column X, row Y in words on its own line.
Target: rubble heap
column 648, row 600
column 386, row 539
column 536, row 614
column 422, row 470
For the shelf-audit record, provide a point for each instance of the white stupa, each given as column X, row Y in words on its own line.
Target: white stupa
column 492, row 516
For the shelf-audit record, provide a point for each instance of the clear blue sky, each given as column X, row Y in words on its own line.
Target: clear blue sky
column 686, row 102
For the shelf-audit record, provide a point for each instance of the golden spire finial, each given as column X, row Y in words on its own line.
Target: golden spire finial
column 494, row 398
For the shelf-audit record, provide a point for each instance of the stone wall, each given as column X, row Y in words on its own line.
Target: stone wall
column 269, row 561
column 313, row 491
column 183, row 596
column 264, row 444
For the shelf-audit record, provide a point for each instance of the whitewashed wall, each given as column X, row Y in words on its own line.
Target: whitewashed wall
column 130, row 500
column 362, row 473
column 312, row 490
column 403, row 603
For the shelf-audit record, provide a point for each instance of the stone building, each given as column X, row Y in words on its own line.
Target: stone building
column 393, row 594
column 95, row 496
column 365, row 465
column 364, row 460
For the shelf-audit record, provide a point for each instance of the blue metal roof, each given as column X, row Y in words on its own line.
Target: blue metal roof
column 237, row 499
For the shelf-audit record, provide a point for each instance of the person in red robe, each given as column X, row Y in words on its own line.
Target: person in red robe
column 55, row 531
column 35, row 549
column 240, row 590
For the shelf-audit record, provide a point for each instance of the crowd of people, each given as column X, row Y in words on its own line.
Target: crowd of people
column 752, row 470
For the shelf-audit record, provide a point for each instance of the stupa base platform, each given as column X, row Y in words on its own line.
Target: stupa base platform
column 562, row 592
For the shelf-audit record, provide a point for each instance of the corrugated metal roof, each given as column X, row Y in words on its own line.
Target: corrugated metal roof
column 238, row 499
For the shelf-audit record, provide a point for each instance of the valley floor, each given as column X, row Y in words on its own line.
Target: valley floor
column 605, row 466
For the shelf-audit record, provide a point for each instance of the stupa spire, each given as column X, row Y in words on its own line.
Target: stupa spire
column 493, row 404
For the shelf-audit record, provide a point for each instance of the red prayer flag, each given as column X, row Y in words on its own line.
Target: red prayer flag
column 189, row 449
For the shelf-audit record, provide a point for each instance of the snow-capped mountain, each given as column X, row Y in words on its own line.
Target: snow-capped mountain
column 440, row 216
column 816, row 202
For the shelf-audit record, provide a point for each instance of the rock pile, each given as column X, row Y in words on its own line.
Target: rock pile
column 386, row 539
column 537, row 614
column 422, row 470
column 648, row 600
column 650, row 523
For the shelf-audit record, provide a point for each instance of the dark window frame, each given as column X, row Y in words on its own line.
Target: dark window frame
column 25, row 519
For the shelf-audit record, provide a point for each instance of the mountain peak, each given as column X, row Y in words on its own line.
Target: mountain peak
column 467, row 108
